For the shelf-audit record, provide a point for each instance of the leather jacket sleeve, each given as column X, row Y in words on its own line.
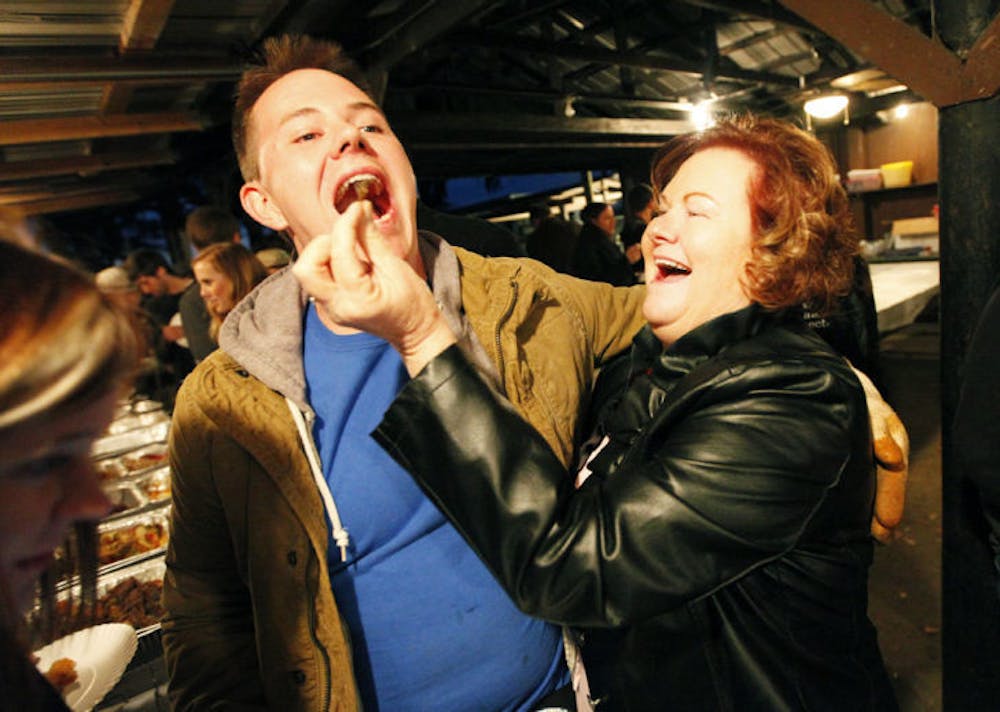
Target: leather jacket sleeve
column 208, row 631
column 723, row 479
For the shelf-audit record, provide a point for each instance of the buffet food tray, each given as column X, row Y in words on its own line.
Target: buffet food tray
column 130, row 539
column 135, row 407
column 134, row 421
column 132, row 463
column 138, row 494
column 130, row 594
column 130, row 439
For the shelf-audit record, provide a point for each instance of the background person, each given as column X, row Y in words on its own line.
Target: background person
column 274, row 259
column 552, row 240
column 226, row 272
column 162, row 289
column 597, row 257
column 204, row 226
column 716, row 551
column 641, row 202
column 66, row 355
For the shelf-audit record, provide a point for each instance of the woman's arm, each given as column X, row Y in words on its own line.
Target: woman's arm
column 731, row 485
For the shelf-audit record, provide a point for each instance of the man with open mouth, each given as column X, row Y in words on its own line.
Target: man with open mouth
column 306, row 570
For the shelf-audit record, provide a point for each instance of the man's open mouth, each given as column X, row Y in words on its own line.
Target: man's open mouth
column 363, row 186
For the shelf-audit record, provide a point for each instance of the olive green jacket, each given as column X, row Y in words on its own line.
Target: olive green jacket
column 251, row 621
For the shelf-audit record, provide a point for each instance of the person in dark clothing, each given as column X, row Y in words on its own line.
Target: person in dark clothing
column 852, row 327
column 976, row 429
column 641, row 206
column 716, row 547
column 474, row 234
column 163, row 290
column 204, row 226
column 552, row 240
column 597, row 257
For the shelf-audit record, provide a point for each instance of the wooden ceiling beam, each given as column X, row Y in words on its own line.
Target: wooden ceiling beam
column 418, row 29
column 642, row 60
column 143, row 23
column 61, row 204
column 89, row 69
column 925, row 65
column 83, row 165
column 14, row 133
column 487, row 126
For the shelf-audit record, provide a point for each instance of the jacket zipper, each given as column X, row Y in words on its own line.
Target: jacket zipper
column 303, row 423
column 500, row 322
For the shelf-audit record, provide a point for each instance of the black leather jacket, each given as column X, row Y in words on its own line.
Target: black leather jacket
column 717, row 558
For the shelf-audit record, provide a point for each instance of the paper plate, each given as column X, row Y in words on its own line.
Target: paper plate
column 101, row 654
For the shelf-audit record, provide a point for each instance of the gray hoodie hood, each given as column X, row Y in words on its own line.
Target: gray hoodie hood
column 264, row 331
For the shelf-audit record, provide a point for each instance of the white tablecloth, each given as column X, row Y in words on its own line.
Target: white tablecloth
column 902, row 290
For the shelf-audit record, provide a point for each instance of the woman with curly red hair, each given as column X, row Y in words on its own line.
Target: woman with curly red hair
column 715, row 551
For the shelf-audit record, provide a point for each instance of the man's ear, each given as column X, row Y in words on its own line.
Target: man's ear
column 259, row 205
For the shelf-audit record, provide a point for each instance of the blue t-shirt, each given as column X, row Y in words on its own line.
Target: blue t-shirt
column 430, row 626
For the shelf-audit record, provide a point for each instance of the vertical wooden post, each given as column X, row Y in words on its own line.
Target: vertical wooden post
column 969, row 184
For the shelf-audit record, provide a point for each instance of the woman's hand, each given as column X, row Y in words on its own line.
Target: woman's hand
column 357, row 281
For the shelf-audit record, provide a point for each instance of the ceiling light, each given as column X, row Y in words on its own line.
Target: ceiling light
column 901, row 111
column 826, row 107
column 701, row 116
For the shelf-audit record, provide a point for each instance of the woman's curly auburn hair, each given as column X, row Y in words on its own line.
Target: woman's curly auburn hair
column 803, row 246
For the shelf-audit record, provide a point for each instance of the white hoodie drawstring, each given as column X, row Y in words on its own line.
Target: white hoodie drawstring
column 340, row 536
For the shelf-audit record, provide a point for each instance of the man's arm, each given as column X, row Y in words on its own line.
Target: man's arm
column 208, row 630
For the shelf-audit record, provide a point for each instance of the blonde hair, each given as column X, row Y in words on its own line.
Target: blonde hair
column 239, row 265
column 63, row 345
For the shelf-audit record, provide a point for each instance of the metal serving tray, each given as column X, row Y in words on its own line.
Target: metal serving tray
column 131, row 539
column 133, row 463
column 137, row 420
column 130, row 439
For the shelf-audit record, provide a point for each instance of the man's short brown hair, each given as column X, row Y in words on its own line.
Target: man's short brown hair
column 277, row 57
column 209, row 225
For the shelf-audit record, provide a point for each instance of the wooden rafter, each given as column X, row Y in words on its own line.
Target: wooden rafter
column 61, row 204
column 923, row 64
column 143, row 22
column 13, row 133
column 642, row 60
column 83, row 165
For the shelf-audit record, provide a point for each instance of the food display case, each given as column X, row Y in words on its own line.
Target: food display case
column 131, row 459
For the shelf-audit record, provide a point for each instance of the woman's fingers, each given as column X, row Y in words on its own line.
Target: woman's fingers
column 349, row 261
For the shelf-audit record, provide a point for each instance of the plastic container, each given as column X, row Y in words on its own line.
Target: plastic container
column 860, row 180
column 897, row 175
